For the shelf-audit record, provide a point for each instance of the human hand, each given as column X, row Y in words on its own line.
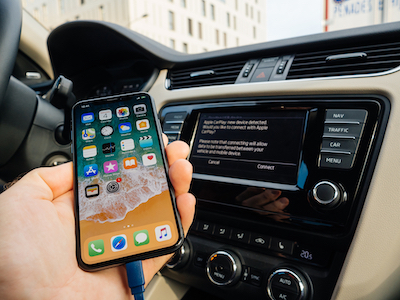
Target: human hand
column 37, row 233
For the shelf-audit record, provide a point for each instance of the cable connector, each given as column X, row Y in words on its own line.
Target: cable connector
column 134, row 270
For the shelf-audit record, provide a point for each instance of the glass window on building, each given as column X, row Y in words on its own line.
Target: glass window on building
column 234, row 22
column 185, row 47
column 203, row 8
column 190, row 27
column 171, row 20
column 228, row 19
column 212, row 11
column 251, row 12
column 217, row 36
column 101, row 13
column 61, row 6
column 259, row 17
column 237, row 41
column 236, row 4
column 200, row 31
column 172, row 43
column 183, row 3
column 225, row 40
column 254, row 32
column 247, row 9
column 82, row 2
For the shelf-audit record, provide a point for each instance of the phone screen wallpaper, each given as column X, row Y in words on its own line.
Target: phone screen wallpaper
column 125, row 206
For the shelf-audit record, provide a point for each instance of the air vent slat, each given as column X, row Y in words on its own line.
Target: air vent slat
column 223, row 74
column 380, row 57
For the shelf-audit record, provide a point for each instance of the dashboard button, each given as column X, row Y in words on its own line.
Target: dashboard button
column 242, row 236
column 172, row 137
column 205, row 227
column 268, row 62
column 172, row 127
column 222, row 231
column 358, row 115
column 260, row 240
column 200, row 259
column 280, row 294
column 353, row 130
column 283, row 246
column 286, row 282
column 340, row 144
column 261, row 75
column 255, row 277
column 335, row 160
column 175, row 117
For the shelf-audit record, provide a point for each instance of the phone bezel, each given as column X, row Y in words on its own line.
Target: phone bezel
column 141, row 256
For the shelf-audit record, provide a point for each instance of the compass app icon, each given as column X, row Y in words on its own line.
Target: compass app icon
column 119, row 243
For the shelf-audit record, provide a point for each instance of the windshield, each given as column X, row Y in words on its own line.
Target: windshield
column 193, row 26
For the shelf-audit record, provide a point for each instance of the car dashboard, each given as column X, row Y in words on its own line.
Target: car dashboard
column 294, row 145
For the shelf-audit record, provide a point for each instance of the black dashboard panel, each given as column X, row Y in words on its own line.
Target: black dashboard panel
column 303, row 224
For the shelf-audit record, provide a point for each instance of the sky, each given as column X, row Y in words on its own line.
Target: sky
column 295, row 18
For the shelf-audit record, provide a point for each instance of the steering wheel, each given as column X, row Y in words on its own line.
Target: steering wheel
column 27, row 122
column 10, row 29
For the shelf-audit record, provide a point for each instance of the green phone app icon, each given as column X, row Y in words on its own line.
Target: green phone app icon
column 96, row 247
column 141, row 237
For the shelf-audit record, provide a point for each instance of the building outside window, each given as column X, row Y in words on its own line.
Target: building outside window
column 217, row 36
column 183, row 3
column 228, row 19
column 101, row 13
column 190, row 27
column 203, row 8
column 200, row 31
column 225, row 40
column 254, row 32
column 172, row 43
column 247, row 9
column 234, row 22
column 171, row 20
column 185, row 48
column 212, row 12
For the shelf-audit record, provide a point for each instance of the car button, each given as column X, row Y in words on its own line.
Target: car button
column 172, row 127
column 280, row 294
column 242, row 236
column 343, row 130
column 175, row 117
column 283, row 246
column 340, row 144
column 261, row 74
column 268, row 62
column 255, row 277
column 172, row 137
column 205, row 227
column 200, row 259
column 358, row 115
column 336, row 160
column 260, row 240
column 285, row 282
column 222, row 231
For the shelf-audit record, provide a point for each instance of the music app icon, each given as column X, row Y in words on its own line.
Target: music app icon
column 163, row 233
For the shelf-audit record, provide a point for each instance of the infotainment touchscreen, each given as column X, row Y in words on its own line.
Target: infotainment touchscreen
column 256, row 148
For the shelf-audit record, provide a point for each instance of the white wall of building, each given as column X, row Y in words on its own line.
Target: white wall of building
column 209, row 31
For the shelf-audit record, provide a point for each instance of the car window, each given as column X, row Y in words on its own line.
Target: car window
column 194, row 26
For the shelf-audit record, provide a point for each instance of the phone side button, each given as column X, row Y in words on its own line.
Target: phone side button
column 72, row 148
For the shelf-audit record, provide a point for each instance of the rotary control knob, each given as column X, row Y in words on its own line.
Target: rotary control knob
column 180, row 258
column 328, row 195
column 287, row 284
column 223, row 268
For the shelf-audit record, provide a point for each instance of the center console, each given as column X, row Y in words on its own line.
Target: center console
column 280, row 184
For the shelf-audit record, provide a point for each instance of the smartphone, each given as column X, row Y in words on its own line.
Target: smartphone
column 125, row 204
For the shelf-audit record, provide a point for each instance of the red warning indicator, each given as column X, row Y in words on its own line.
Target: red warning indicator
column 261, row 75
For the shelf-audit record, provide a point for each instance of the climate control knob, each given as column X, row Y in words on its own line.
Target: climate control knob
column 287, row 284
column 223, row 268
column 327, row 194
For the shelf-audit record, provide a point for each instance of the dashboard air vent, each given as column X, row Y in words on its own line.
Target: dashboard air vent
column 349, row 61
column 205, row 76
